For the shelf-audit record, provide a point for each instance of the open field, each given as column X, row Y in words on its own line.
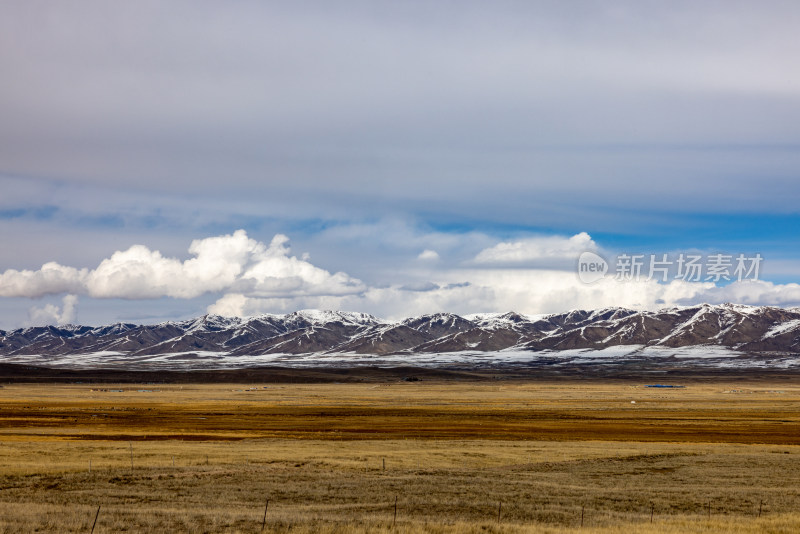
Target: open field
column 511, row 456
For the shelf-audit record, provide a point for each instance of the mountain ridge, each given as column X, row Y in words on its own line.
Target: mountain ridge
column 751, row 329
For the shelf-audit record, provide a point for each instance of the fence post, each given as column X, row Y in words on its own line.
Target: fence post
column 95, row 518
column 264, row 521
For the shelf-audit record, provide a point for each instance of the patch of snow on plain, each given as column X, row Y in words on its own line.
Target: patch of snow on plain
column 607, row 354
column 706, row 355
column 698, row 352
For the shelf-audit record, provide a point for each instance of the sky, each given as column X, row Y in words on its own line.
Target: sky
column 162, row 160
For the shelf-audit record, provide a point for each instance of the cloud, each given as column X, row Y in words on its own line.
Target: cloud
column 483, row 290
column 52, row 314
column 171, row 103
column 537, row 251
column 242, row 276
column 420, row 286
column 51, row 279
column 390, row 303
column 428, row 255
column 275, row 274
column 234, row 305
column 756, row 292
column 229, row 262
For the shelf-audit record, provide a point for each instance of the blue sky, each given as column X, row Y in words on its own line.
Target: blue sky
column 392, row 145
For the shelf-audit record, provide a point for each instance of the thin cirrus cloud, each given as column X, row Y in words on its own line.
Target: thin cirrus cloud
column 147, row 98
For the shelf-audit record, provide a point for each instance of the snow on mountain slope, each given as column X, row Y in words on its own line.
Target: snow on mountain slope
column 315, row 335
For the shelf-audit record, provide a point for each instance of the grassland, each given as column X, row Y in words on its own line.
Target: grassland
column 500, row 457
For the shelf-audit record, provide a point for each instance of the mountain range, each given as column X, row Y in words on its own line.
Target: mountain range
column 744, row 329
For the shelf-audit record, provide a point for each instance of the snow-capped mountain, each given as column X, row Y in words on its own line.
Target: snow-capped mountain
column 329, row 334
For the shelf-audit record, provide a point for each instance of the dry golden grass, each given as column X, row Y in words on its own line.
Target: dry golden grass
column 700, row 413
column 206, row 458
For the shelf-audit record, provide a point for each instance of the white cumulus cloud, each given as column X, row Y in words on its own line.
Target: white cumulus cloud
column 755, row 292
column 483, row 290
column 52, row 314
column 275, row 273
column 232, row 262
column 534, row 275
column 544, row 251
column 51, row 279
column 248, row 277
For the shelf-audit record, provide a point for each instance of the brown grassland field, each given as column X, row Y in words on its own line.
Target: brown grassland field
column 455, row 456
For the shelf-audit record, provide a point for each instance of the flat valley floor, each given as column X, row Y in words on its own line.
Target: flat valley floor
column 395, row 456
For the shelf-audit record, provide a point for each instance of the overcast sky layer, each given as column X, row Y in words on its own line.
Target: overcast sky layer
column 161, row 160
